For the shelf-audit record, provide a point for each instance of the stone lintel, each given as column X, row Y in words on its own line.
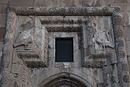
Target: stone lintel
column 73, row 11
column 63, row 21
column 64, row 28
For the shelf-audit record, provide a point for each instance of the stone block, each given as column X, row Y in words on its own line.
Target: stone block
column 123, row 7
column 129, row 63
column 107, row 2
column 89, row 3
column 57, row 3
column 67, row 3
column 100, row 85
column 125, row 67
column 78, row 3
column 21, row 3
column 2, row 20
column 4, row 1
column 1, row 44
column 42, row 3
column 3, row 9
column 51, row 53
column 2, row 32
column 16, row 68
column 120, row 1
column 125, row 33
column 128, row 48
column 128, row 34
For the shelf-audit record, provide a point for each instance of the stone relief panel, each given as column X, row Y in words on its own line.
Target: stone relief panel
column 99, row 44
column 30, row 41
column 100, row 34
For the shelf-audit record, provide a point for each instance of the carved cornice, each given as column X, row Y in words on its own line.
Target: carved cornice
column 73, row 11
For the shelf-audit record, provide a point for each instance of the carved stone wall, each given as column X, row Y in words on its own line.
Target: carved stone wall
column 99, row 47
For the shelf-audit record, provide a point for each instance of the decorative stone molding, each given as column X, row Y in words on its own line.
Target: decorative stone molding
column 84, row 11
column 96, row 60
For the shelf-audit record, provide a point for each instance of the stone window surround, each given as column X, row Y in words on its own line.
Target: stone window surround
column 76, row 57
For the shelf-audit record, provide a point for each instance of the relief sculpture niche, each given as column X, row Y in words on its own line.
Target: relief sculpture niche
column 99, row 41
column 29, row 42
column 102, row 34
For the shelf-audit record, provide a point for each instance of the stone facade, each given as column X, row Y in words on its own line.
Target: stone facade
column 100, row 32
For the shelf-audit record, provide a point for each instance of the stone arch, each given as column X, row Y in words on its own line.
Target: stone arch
column 65, row 79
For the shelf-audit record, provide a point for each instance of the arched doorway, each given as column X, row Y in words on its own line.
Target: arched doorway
column 64, row 82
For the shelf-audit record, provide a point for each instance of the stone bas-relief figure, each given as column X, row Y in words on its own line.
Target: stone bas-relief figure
column 29, row 41
column 101, row 36
column 100, row 43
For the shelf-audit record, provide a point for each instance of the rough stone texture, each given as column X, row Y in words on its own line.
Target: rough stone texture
column 109, row 67
column 2, row 31
column 30, row 41
column 1, row 45
column 3, row 20
column 21, row 3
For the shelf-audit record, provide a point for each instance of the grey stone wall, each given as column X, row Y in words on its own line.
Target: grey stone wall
column 123, row 4
column 125, row 11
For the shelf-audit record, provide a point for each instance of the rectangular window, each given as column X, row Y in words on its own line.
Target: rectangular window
column 64, row 50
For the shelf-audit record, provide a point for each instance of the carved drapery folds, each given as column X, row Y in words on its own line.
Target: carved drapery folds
column 30, row 41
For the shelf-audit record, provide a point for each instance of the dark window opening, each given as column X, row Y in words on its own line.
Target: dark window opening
column 64, row 50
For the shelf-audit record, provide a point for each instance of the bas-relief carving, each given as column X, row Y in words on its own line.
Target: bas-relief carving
column 29, row 41
column 101, row 36
column 99, row 33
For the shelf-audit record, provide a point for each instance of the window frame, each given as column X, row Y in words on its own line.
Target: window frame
column 72, row 52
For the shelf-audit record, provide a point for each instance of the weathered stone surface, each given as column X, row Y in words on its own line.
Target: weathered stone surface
column 3, row 9
column 128, row 47
column 3, row 18
column 72, row 11
column 2, row 32
column 21, row 3
column 89, row 3
column 100, row 34
column 8, row 49
column 121, row 1
column 98, row 43
column 30, row 41
column 4, row 1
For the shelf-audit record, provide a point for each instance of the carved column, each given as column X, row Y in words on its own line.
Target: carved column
column 122, row 65
column 8, row 49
